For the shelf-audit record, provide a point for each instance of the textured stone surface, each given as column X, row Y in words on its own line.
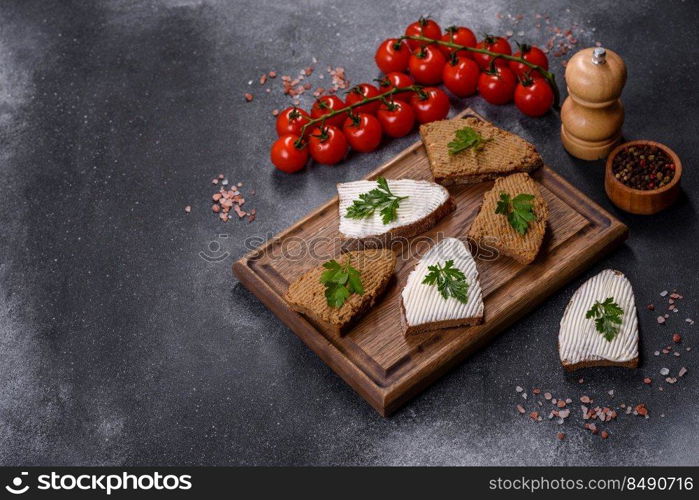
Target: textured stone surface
column 119, row 344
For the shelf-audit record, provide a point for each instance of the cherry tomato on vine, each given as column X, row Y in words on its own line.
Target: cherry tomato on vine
column 426, row 65
column 327, row 145
column 460, row 36
column 533, row 96
column 494, row 44
column 393, row 80
column 497, row 87
column 291, row 121
column 363, row 132
column 397, row 118
column 392, row 55
column 430, row 104
column 328, row 104
column 460, row 76
column 286, row 156
column 423, row 27
column 363, row 91
column 532, row 54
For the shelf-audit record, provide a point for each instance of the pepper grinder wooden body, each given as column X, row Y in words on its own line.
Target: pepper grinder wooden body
column 592, row 114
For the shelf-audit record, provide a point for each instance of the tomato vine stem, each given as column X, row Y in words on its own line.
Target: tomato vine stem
column 339, row 111
column 549, row 76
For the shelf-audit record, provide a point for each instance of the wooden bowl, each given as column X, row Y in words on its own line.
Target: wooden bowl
column 637, row 201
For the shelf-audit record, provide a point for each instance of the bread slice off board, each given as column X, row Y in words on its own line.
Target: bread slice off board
column 580, row 345
column 425, row 204
column 374, row 357
column 424, row 308
column 491, row 229
column 307, row 294
column 504, row 152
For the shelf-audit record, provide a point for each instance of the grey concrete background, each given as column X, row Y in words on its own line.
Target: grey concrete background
column 119, row 344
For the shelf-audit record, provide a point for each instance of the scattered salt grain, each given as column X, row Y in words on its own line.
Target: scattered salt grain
column 683, row 371
column 519, row 389
column 664, row 371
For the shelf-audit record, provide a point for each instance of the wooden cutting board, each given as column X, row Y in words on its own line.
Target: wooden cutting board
column 375, row 358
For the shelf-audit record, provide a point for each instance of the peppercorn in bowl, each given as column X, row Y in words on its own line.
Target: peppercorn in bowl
column 642, row 177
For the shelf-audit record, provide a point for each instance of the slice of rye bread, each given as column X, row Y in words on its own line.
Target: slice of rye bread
column 307, row 294
column 408, row 230
column 505, row 153
column 423, row 305
column 494, row 230
column 580, row 345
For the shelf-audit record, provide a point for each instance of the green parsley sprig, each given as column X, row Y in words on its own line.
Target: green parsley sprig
column 518, row 210
column 449, row 280
column 466, row 138
column 607, row 317
column 341, row 281
column 381, row 199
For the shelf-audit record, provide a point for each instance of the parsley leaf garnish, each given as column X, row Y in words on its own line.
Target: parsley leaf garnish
column 380, row 198
column 466, row 138
column 340, row 282
column 519, row 211
column 450, row 281
column 607, row 316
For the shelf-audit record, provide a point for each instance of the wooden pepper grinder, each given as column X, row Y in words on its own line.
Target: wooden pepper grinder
column 592, row 114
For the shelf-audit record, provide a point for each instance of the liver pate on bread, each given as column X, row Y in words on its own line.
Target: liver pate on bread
column 306, row 294
column 494, row 230
column 504, row 152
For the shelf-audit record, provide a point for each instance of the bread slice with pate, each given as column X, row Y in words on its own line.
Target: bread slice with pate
column 493, row 229
column 307, row 294
column 424, row 305
column 501, row 153
column 581, row 344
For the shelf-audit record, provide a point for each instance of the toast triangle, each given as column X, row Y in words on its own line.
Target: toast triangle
column 306, row 294
column 424, row 309
column 494, row 230
column 425, row 205
column 504, row 152
column 580, row 345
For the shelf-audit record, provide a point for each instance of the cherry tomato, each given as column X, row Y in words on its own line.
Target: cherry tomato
column 532, row 54
column 461, row 76
column 328, row 145
column 423, row 27
column 327, row 104
column 461, row 36
column 363, row 132
column 426, row 65
column 430, row 104
column 397, row 118
column 533, row 96
column 497, row 87
column 392, row 55
column 286, row 156
column 362, row 91
column 494, row 44
column 291, row 121
column 393, row 80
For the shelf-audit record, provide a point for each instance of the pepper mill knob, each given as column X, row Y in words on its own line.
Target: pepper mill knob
column 592, row 115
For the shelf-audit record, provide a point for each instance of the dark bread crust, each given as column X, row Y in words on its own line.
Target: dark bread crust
column 476, row 178
column 632, row 363
column 439, row 325
column 407, row 231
